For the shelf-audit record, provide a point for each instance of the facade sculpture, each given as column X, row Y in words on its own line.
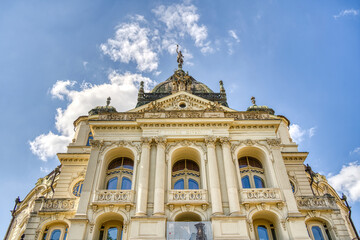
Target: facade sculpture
column 182, row 156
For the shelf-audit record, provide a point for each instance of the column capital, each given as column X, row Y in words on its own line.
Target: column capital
column 96, row 144
column 160, row 141
column 225, row 141
column 146, row 140
column 210, row 141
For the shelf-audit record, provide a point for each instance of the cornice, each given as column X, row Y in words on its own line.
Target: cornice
column 73, row 158
column 294, row 157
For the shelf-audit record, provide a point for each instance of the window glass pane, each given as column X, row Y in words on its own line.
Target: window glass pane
column 262, row 232
column 112, row 183
column 55, row 235
column 259, row 183
column 179, row 184
column 101, row 235
column 89, row 138
column 292, row 186
column 77, row 188
column 254, row 162
column 112, row 233
column 116, row 163
column 191, row 165
column 245, row 182
column 128, row 163
column 179, row 165
column 316, row 231
column 243, row 162
column 126, row 184
column 193, row 184
column 65, row 235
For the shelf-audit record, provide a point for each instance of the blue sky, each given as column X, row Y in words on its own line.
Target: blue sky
column 60, row 59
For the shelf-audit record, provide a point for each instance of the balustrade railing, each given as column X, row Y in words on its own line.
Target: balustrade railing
column 316, row 202
column 188, row 196
column 114, row 196
column 249, row 195
column 58, row 204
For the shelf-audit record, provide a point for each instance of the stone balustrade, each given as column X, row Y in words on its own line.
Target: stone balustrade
column 256, row 195
column 316, row 203
column 114, row 197
column 58, row 204
column 191, row 196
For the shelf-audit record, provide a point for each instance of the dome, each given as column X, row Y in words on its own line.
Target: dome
column 103, row 109
column 167, row 86
column 181, row 81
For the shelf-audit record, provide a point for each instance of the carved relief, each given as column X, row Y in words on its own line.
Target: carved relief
column 273, row 142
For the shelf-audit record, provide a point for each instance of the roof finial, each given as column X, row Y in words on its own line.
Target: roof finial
column 222, row 89
column 180, row 57
column 108, row 101
column 253, row 101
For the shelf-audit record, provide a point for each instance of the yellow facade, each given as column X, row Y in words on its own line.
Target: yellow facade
column 181, row 158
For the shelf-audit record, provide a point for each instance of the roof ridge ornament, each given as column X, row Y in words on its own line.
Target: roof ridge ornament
column 108, row 101
column 180, row 57
column 253, row 101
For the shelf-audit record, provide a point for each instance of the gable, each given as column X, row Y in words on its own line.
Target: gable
column 182, row 101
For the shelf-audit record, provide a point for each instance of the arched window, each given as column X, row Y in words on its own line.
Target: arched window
column 185, row 174
column 90, row 136
column 55, row 232
column 119, row 173
column 78, row 188
column 252, row 172
column 318, row 231
column 266, row 232
column 55, row 235
column 111, row 230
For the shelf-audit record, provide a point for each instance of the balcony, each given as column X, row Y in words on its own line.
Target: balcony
column 116, row 197
column 259, row 195
column 58, row 205
column 316, row 203
column 188, row 196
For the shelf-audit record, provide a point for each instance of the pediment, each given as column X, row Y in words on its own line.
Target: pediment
column 182, row 101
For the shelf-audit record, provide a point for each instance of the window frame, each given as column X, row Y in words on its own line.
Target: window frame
column 270, row 227
column 186, row 175
column 52, row 227
column 311, row 224
column 120, row 173
column 252, row 172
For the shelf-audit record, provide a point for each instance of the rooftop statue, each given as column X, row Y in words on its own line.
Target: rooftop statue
column 180, row 57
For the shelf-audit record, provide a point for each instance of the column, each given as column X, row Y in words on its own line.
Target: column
column 214, row 182
column 79, row 222
column 159, row 178
column 230, row 177
column 143, row 183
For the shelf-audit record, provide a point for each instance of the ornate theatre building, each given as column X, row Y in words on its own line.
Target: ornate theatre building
column 181, row 165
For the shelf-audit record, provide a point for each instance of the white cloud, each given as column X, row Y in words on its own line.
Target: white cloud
column 356, row 150
column 132, row 43
column 181, row 20
column 122, row 88
column 347, row 12
column 233, row 34
column 48, row 145
column 45, row 170
column 298, row 134
column 347, row 181
column 60, row 89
